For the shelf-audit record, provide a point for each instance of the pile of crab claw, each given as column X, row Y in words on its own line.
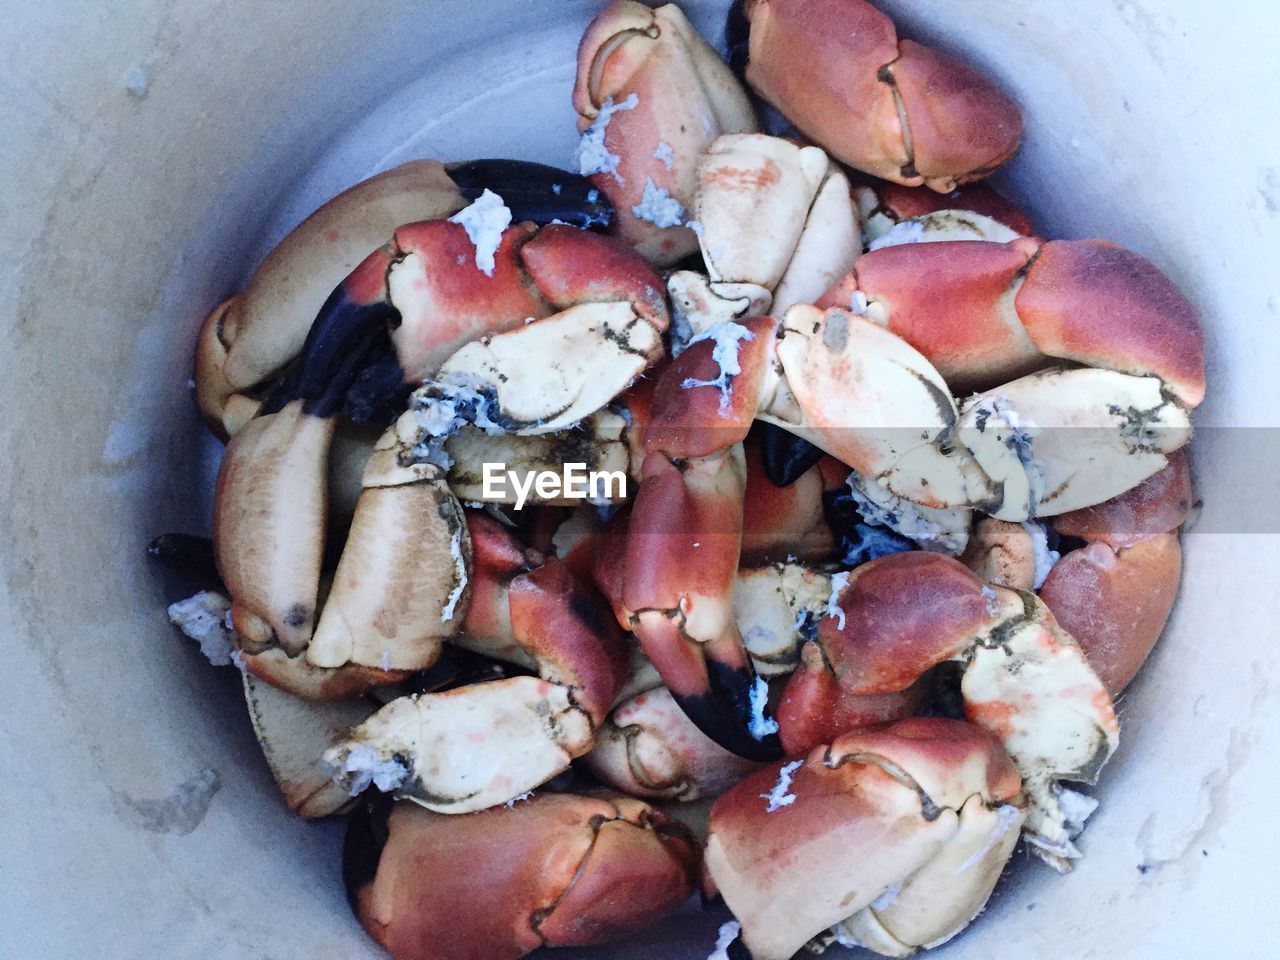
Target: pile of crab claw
column 902, row 519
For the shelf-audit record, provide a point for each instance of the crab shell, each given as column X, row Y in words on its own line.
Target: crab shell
column 686, row 97
column 551, row 870
column 925, row 807
column 893, row 108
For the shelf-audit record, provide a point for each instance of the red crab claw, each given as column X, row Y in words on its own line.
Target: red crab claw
column 476, row 746
column 650, row 748
column 883, row 204
column 992, row 311
column 673, row 584
column 890, row 107
column 891, row 838
column 1024, row 678
column 1114, row 594
column 651, row 96
column 253, row 336
column 553, row 870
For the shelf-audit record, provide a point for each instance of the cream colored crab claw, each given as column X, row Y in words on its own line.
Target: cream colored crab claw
column 401, row 586
column 466, row 749
column 587, row 355
column 1029, row 683
column 1061, row 439
column 873, row 402
column 776, row 225
column 487, row 743
column 268, row 526
column 650, row 748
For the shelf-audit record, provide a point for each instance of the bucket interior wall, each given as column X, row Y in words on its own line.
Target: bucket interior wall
column 153, row 153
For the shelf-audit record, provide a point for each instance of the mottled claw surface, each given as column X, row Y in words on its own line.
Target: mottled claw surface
column 550, row 870
column 898, row 834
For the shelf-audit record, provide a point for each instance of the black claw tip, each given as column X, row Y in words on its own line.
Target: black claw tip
column 536, row 191
column 737, row 32
column 345, row 339
column 724, row 713
column 786, row 457
column 367, row 834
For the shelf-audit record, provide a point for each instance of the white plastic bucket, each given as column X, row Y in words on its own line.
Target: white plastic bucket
column 148, row 157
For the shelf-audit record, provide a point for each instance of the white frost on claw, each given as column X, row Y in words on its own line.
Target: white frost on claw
column 658, row 206
column 858, row 303
column 663, row 153
column 885, row 900
column 386, row 660
column 510, row 804
column 1044, row 557
column 838, row 582
column 924, row 526
column 593, row 155
column 905, row 231
column 760, row 726
column 460, row 566
column 1021, row 442
column 443, row 407
column 779, row 796
column 1006, row 816
column 993, row 601
column 206, row 618
column 1076, row 808
column 484, row 220
column 844, row 939
column 363, row 765
column 725, row 337
column 728, row 933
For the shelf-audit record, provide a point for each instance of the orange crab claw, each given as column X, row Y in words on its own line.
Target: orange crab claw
column 552, row 870
column 889, row 107
column 882, row 204
column 892, row 837
column 1115, row 594
column 992, row 311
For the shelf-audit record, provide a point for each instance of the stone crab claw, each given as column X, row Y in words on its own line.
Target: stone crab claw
column 1115, row 593
column 649, row 748
column 485, row 744
column 651, row 95
column 984, row 312
column 550, row 870
column 411, row 309
column 776, row 226
column 1024, row 678
column 893, row 108
column 890, row 838
column 248, row 340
